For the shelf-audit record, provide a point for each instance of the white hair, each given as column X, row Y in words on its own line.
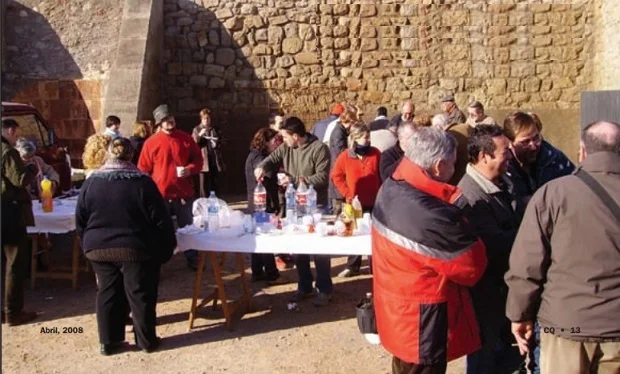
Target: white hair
column 440, row 121
column 25, row 147
column 428, row 146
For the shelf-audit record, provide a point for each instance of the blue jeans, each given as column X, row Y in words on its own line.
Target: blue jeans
column 496, row 355
column 184, row 217
column 323, row 276
column 534, row 355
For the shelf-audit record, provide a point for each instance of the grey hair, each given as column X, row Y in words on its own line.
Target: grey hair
column 440, row 121
column 25, row 147
column 403, row 126
column 428, row 146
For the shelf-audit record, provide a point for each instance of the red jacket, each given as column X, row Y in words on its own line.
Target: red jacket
column 424, row 258
column 354, row 176
column 161, row 155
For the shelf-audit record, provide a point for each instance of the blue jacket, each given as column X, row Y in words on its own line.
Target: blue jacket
column 550, row 164
column 320, row 127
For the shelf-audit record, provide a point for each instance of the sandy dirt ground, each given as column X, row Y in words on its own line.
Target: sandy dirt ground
column 269, row 340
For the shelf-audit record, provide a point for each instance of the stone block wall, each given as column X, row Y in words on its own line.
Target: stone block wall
column 243, row 58
column 58, row 59
column 72, row 107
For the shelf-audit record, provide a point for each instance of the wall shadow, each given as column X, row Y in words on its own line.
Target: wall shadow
column 39, row 71
column 206, row 67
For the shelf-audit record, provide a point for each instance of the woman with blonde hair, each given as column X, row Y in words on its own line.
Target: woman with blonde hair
column 95, row 152
column 126, row 233
column 141, row 131
column 356, row 173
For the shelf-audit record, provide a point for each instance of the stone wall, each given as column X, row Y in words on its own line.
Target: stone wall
column 242, row 58
column 607, row 55
column 58, row 59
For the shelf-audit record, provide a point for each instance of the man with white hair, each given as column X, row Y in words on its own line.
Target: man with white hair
column 407, row 112
column 27, row 150
column 564, row 269
column 425, row 258
column 392, row 156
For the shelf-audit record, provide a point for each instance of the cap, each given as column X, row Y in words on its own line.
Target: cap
column 447, row 98
column 160, row 113
column 337, row 109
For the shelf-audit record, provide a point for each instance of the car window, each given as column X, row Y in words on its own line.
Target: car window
column 31, row 129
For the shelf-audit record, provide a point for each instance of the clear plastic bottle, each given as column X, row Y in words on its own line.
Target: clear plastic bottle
column 289, row 196
column 213, row 212
column 301, row 197
column 311, row 198
column 47, row 196
column 260, row 197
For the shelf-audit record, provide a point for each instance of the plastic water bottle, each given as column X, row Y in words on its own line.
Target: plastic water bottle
column 301, row 197
column 260, row 197
column 47, row 198
column 311, row 200
column 213, row 213
column 289, row 196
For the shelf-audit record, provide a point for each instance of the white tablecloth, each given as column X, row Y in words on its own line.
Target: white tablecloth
column 61, row 220
column 285, row 243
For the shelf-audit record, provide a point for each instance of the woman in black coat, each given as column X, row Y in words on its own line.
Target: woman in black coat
column 264, row 142
column 126, row 233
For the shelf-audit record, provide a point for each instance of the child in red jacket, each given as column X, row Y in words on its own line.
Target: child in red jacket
column 356, row 173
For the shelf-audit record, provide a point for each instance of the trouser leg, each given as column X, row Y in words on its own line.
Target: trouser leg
column 323, row 273
column 141, row 284
column 111, row 303
column 354, row 263
column 304, row 283
column 185, row 217
column 402, row 367
column 15, row 269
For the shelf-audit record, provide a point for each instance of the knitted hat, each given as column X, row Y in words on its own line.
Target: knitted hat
column 160, row 113
column 337, row 109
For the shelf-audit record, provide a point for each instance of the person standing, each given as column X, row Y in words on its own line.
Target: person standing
column 141, row 131
column 264, row 142
column 381, row 122
column 304, row 156
column 16, row 216
column 407, row 113
column 390, row 158
column 452, row 111
column 492, row 213
column 356, row 173
column 171, row 157
column 126, row 233
column 425, row 258
column 209, row 139
column 275, row 120
column 337, row 144
column 320, row 128
column 564, row 269
column 112, row 127
column 477, row 116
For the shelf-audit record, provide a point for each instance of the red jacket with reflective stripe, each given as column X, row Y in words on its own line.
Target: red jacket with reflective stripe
column 424, row 260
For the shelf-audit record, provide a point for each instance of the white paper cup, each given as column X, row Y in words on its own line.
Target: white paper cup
column 180, row 171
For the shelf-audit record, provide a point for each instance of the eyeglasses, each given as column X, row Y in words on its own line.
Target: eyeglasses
column 536, row 139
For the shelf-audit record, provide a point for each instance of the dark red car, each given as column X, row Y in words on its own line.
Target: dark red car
column 35, row 128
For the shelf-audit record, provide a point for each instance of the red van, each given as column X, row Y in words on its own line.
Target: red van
column 35, row 128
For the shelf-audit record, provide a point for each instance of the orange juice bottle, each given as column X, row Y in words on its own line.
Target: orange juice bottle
column 47, row 198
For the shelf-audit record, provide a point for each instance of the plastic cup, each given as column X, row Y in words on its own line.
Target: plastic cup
column 180, row 171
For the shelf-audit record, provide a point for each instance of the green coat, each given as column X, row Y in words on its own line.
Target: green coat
column 15, row 177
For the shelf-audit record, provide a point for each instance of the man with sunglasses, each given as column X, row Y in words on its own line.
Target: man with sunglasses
column 535, row 163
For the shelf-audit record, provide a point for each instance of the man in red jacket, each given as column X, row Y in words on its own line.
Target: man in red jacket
column 171, row 157
column 424, row 260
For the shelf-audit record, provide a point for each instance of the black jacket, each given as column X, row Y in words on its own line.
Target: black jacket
column 270, row 182
column 124, row 209
column 492, row 214
column 137, row 143
column 390, row 158
column 379, row 124
column 337, row 144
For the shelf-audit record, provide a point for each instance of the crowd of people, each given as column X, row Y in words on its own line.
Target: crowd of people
column 481, row 244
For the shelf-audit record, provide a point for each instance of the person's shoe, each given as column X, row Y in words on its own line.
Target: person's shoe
column 299, row 296
column 21, row 318
column 153, row 346
column 322, row 299
column 110, row 348
column 348, row 273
